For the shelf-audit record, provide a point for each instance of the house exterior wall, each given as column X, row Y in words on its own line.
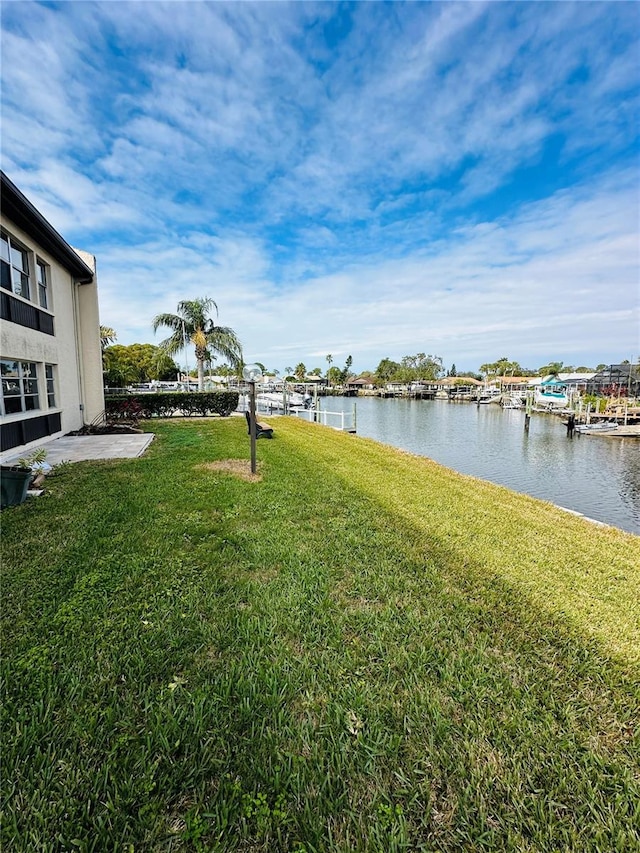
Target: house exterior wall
column 72, row 351
column 90, row 349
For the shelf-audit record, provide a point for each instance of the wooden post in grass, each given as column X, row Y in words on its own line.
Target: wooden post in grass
column 251, row 372
column 252, row 417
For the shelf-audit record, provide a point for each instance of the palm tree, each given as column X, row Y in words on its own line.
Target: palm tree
column 551, row 369
column 329, row 360
column 107, row 337
column 193, row 323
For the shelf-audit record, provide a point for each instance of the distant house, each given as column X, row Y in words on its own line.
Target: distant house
column 577, row 382
column 512, row 384
column 50, row 355
column 457, row 381
column 616, row 380
column 361, row 384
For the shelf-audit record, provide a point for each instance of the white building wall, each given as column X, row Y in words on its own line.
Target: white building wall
column 91, row 378
column 73, row 350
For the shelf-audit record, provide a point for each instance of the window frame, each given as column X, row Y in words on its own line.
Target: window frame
column 43, row 286
column 26, row 382
column 50, row 385
column 16, row 247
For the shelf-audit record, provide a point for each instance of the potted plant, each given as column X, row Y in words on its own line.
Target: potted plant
column 16, row 478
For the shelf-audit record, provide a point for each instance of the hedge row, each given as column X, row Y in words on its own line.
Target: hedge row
column 166, row 404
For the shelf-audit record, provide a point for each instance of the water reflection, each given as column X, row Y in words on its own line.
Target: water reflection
column 599, row 477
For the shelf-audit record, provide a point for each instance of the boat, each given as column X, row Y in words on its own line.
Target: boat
column 551, row 394
column 600, row 426
column 489, row 394
column 276, row 401
column 512, row 402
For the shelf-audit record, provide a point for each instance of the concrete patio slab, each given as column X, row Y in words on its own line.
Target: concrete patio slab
column 79, row 448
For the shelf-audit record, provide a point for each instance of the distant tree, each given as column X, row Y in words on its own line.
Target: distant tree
column 316, row 372
column 137, row 363
column 334, row 375
column 226, row 370
column 428, row 367
column 419, row 367
column 387, row 370
column 300, row 371
column 453, row 371
column 505, row 367
column 329, row 362
column 118, row 372
column 502, row 367
column 551, row 369
column 193, row 322
column 409, row 361
column 344, row 374
column 162, row 368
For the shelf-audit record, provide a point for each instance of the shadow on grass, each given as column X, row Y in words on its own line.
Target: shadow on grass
column 197, row 663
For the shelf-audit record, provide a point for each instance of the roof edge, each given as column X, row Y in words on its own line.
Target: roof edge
column 17, row 207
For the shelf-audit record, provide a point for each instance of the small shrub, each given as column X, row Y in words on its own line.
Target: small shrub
column 35, row 458
column 598, row 404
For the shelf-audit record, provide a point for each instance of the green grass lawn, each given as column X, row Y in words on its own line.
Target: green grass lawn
column 361, row 651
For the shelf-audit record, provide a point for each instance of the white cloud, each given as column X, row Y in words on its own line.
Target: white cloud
column 554, row 279
column 341, row 179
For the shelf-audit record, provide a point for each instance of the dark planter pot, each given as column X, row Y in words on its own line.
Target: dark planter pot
column 14, row 483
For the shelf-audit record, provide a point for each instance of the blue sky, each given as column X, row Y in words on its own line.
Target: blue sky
column 368, row 179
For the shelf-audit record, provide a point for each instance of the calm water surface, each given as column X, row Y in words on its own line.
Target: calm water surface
column 596, row 476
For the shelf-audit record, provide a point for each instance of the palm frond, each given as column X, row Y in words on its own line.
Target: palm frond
column 224, row 341
column 196, row 311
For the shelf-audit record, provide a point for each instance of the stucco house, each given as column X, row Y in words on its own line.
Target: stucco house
column 50, row 355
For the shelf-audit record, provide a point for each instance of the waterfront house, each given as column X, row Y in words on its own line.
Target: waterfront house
column 361, row 384
column 50, row 354
column 513, row 384
column 616, row 380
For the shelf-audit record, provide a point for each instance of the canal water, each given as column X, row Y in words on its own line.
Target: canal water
column 596, row 476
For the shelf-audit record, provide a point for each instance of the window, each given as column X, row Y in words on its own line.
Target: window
column 42, row 275
column 15, row 266
column 19, row 386
column 51, row 388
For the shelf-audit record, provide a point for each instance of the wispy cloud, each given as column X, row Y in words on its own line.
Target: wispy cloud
column 372, row 179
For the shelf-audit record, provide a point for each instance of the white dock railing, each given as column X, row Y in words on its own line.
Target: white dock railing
column 345, row 421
